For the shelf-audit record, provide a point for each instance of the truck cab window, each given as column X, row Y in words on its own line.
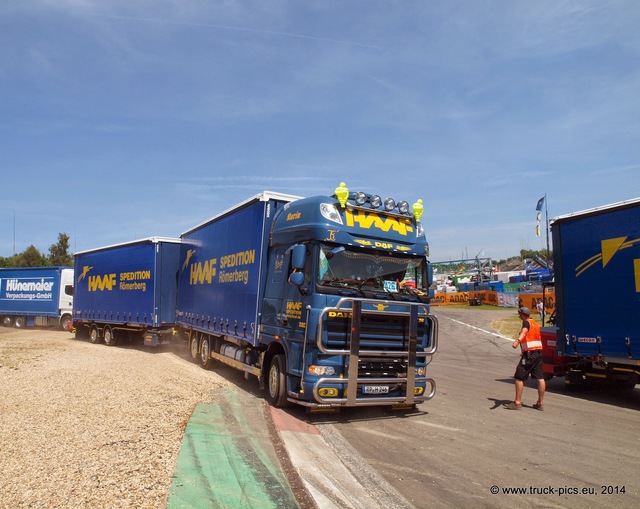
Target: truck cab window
column 371, row 271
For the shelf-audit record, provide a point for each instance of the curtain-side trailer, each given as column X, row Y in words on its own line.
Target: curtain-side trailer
column 127, row 292
column 597, row 286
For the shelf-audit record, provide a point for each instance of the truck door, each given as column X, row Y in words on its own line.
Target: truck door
column 276, row 280
column 283, row 303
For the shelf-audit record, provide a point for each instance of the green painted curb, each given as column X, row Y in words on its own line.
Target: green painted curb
column 227, row 459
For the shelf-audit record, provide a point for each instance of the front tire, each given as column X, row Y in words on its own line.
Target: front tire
column 66, row 323
column 277, row 383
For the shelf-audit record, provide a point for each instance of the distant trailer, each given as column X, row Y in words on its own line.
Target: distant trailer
column 127, row 292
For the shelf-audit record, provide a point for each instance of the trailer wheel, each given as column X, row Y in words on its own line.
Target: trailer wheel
column 94, row 335
column 277, row 385
column 205, row 354
column 19, row 322
column 193, row 346
column 109, row 338
column 7, row 321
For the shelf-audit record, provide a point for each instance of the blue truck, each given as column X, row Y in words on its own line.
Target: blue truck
column 596, row 256
column 127, row 292
column 325, row 300
column 36, row 296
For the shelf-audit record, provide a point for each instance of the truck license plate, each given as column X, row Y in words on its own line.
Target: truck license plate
column 375, row 389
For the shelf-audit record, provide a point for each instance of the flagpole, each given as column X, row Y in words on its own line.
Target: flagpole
column 546, row 213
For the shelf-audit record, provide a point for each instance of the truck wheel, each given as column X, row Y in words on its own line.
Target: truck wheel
column 205, row 354
column 277, row 385
column 94, row 336
column 66, row 323
column 7, row 321
column 19, row 322
column 109, row 338
column 193, row 346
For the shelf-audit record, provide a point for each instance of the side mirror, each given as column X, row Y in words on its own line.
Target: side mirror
column 296, row 278
column 298, row 256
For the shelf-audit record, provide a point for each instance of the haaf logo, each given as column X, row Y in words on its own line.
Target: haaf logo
column 608, row 249
column 106, row 282
column 367, row 220
column 85, row 271
column 190, row 253
column 203, row 272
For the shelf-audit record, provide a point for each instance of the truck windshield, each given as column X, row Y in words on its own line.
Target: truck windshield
column 372, row 272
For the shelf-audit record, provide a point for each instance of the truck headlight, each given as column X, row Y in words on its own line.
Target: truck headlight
column 321, row 370
column 330, row 212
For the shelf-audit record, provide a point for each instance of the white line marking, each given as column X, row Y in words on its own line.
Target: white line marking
column 511, row 340
column 439, row 426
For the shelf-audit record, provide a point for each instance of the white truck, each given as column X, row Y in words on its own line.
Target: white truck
column 36, row 296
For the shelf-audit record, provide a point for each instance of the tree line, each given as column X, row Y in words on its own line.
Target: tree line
column 57, row 256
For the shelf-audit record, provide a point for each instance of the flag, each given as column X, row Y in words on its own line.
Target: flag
column 539, row 205
column 538, row 230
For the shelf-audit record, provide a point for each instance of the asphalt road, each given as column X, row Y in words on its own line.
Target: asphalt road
column 463, row 449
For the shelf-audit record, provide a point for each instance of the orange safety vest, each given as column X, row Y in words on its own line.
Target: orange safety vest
column 533, row 340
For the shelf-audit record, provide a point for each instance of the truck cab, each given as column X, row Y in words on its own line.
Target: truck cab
column 346, row 298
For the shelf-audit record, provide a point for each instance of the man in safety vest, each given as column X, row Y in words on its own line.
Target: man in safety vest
column 530, row 343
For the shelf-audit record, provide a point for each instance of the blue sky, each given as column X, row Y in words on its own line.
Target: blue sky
column 122, row 120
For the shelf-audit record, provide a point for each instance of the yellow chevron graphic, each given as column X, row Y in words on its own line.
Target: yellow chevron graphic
column 608, row 249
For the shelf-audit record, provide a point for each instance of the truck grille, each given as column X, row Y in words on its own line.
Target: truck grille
column 377, row 332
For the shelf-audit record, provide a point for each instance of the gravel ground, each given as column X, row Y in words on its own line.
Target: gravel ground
column 86, row 426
